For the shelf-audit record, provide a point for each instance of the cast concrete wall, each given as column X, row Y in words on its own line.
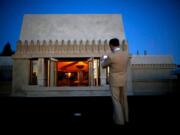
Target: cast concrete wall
column 20, row 74
column 152, row 75
column 5, row 75
column 72, row 27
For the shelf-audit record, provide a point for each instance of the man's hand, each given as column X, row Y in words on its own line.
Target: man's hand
column 104, row 57
column 90, row 59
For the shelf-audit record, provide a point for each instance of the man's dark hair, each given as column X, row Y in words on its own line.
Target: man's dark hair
column 114, row 42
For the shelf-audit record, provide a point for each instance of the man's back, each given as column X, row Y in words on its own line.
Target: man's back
column 119, row 61
column 118, row 68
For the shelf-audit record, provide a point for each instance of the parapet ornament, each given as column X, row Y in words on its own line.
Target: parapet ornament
column 34, row 49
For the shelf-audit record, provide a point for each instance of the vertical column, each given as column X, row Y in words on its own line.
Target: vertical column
column 55, row 73
column 96, row 72
column 48, row 73
column 91, row 72
column 41, row 73
column 52, row 77
column 102, row 76
column 89, row 69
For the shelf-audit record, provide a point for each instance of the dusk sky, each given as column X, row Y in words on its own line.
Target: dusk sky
column 152, row 25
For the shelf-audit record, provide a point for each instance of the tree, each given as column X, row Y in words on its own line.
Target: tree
column 7, row 51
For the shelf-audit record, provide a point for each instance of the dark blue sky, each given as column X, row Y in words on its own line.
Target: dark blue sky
column 152, row 25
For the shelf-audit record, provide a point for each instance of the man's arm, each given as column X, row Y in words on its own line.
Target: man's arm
column 106, row 62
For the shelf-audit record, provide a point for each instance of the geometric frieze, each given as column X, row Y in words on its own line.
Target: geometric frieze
column 32, row 49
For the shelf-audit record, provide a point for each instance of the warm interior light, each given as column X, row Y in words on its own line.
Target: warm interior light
column 69, row 74
column 72, row 66
column 72, row 73
column 80, row 65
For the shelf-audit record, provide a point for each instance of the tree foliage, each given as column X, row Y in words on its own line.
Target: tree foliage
column 7, row 50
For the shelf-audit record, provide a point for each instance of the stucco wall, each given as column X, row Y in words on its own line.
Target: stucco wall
column 151, row 73
column 72, row 27
column 5, row 75
column 153, row 80
column 20, row 74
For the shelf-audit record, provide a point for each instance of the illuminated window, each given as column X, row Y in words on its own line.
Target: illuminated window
column 72, row 72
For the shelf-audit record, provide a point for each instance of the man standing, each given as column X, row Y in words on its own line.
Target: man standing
column 118, row 63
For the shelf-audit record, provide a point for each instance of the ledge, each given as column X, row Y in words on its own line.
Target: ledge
column 37, row 91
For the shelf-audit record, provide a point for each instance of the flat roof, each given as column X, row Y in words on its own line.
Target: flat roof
column 152, row 59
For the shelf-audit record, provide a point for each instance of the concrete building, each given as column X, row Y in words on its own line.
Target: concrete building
column 152, row 74
column 5, row 75
column 59, row 55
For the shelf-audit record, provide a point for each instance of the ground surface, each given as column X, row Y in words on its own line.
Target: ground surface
column 148, row 112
